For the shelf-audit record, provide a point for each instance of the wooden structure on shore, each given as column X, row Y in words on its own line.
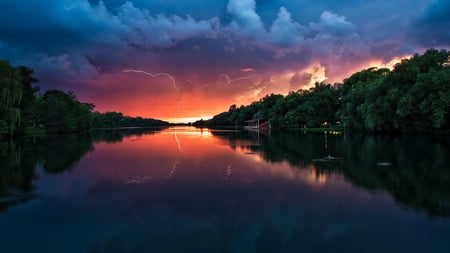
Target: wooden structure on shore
column 260, row 123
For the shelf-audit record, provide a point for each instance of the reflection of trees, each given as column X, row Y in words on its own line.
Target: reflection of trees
column 419, row 174
column 292, row 146
column 17, row 164
column 13, row 171
column 60, row 153
column 55, row 153
column 19, row 159
column 116, row 135
column 414, row 170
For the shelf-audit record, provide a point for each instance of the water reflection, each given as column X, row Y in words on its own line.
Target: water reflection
column 199, row 190
column 415, row 170
column 20, row 158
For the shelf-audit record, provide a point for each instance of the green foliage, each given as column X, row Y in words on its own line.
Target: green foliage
column 62, row 112
column 28, row 103
column 310, row 108
column 363, row 100
column 17, row 93
column 3, row 128
column 236, row 117
column 10, row 97
column 117, row 120
column 24, row 111
column 413, row 97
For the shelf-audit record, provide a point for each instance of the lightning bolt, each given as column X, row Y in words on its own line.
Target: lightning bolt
column 228, row 80
column 172, row 79
column 222, row 77
column 154, row 75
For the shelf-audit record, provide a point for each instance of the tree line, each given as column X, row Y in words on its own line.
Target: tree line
column 412, row 97
column 24, row 110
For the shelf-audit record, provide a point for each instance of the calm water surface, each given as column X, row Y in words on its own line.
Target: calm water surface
column 192, row 190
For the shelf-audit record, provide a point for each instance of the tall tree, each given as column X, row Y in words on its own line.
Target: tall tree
column 62, row 112
column 28, row 103
column 11, row 93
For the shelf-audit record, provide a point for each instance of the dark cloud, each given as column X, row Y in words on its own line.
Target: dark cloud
column 83, row 45
column 200, row 9
column 284, row 31
column 432, row 27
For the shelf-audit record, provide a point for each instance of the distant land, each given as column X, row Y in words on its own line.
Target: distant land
column 413, row 97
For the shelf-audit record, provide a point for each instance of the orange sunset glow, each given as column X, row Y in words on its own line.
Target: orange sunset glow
column 224, row 126
column 153, row 60
column 191, row 101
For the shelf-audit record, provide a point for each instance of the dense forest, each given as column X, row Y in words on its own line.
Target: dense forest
column 24, row 110
column 413, row 97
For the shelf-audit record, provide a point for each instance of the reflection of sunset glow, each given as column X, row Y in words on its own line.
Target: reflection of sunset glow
column 316, row 177
column 193, row 131
column 198, row 154
column 309, row 174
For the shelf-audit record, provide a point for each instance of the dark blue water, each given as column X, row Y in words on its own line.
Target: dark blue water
column 190, row 190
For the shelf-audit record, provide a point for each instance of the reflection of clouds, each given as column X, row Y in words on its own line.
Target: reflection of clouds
column 267, row 203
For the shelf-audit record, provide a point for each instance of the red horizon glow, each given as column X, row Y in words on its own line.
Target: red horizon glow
column 155, row 96
column 199, row 62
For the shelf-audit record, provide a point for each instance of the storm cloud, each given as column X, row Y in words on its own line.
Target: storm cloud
column 83, row 45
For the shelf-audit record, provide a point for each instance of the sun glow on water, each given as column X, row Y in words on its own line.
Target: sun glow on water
column 188, row 119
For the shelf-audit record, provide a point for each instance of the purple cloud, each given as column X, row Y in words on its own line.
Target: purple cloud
column 83, row 45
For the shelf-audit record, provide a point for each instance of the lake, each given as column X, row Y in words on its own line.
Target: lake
column 199, row 190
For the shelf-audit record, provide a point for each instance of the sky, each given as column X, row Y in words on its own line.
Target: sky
column 181, row 60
